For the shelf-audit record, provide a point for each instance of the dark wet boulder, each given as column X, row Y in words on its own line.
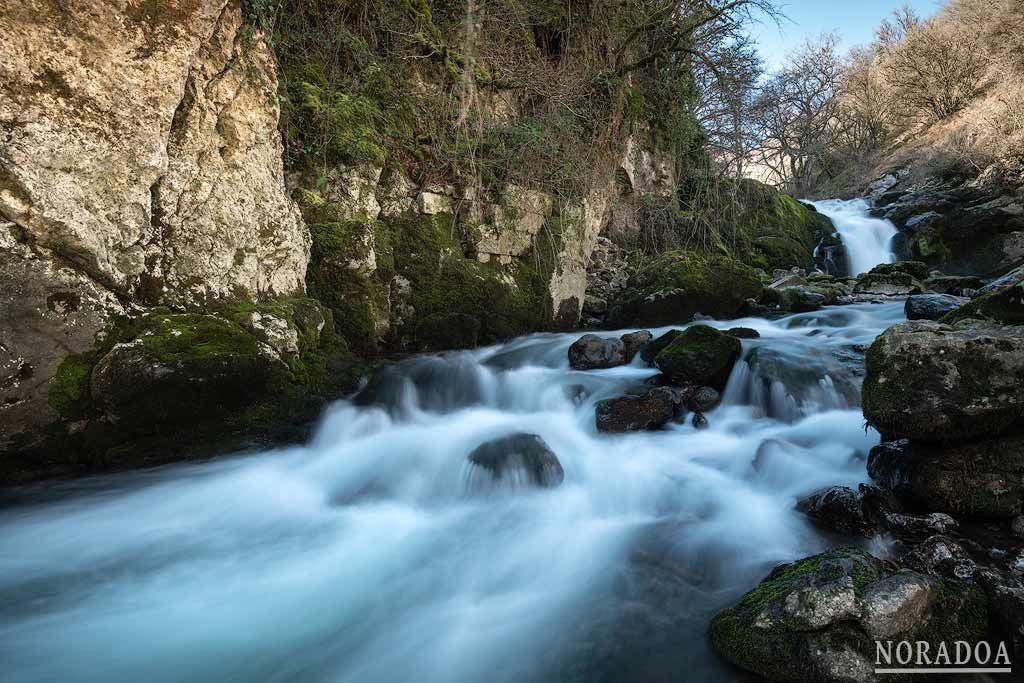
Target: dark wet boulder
column 838, row 508
column 743, row 333
column 633, row 413
column 651, row 350
column 978, row 479
column 634, row 342
column 701, row 355
column 591, row 352
column 801, row 299
column 1001, row 300
column 935, row 382
column 931, row 306
column 699, row 421
column 519, row 457
column 940, row 555
column 704, row 399
column 1005, row 592
column 817, row 619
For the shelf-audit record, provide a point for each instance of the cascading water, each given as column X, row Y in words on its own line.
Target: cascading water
column 867, row 240
column 373, row 554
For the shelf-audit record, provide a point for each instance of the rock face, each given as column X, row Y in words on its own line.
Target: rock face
column 140, row 163
column 520, row 456
column 818, row 618
column 651, row 410
column 141, row 147
column 701, row 355
column 933, row 382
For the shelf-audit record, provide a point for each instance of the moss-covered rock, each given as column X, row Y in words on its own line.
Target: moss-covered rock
column 935, row 382
column 700, row 356
column 677, row 285
column 1001, row 300
column 897, row 283
column 915, row 269
column 817, row 619
column 69, row 391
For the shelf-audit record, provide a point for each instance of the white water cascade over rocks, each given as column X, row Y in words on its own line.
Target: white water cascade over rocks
column 867, row 240
column 378, row 553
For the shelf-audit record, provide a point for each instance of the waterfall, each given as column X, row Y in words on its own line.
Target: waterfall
column 868, row 240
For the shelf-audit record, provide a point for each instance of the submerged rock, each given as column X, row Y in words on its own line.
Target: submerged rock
column 931, row 306
column 632, row 413
column 591, row 352
column 699, row 421
column 934, row 382
column 743, row 333
column 818, row 618
column 517, row 457
column 701, row 355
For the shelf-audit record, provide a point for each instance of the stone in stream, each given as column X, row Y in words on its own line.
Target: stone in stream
column 934, row 382
column 887, row 284
column 701, row 355
column 817, row 618
column 940, row 555
column 956, row 285
column 838, row 508
column 743, row 333
column 634, row 342
column 704, row 399
column 591, row 352
column 699, row 421
column 801, row 300
column 931, row 306
column 517, row 455
column 651, row 350
column 632, row 413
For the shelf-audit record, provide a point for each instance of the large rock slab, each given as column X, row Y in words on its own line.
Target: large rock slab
column 931, row 306
column 929, row 381
column 817, row 619
column 651, row 410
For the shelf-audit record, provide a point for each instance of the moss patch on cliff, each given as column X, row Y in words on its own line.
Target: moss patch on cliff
column 68, row 392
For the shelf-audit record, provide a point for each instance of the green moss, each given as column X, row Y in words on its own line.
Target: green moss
column 701, row 355
column 68, row 392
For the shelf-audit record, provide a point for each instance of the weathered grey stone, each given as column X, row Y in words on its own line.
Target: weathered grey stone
column 591, row 352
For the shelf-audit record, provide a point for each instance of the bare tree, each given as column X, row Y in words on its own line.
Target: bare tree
column 797, row 114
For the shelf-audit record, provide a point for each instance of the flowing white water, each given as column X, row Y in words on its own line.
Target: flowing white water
column 868, row 241
column 365, row 557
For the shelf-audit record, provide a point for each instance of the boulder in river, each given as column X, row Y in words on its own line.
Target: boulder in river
column 743, row 333
column 818, row 618
column 633, row 413
column 701, row 355
column 887, row 284
column 591, row 352
column 838, row 508
column 1001, row 300
column 931, row 306
column 801, row 299
column 978, row 479
column 704, row 399
column 651, row 350
column 934, row 382
column 634, row 342
column 519, row 457
column 915, row 269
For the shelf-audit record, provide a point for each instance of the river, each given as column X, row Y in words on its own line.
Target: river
column 373, row 555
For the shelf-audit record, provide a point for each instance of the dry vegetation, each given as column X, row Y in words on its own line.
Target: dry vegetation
column 948, row 90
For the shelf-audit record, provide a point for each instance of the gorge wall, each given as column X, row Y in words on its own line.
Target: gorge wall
column 213, row 211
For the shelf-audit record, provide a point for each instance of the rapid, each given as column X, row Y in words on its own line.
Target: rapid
column 371, row 554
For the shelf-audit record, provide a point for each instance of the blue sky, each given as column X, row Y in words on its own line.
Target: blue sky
column 853, row 20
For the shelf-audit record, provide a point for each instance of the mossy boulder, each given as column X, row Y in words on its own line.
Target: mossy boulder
column 181, row 367
column 652, row 349
column 915, row 269
column 677, row 285
column 700, row 356
column 982, row 479
column 1001, row 300
column 817, row 619
column 934, row 382
column 895, row 283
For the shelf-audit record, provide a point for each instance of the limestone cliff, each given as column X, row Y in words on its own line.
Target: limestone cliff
column 140, row 164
